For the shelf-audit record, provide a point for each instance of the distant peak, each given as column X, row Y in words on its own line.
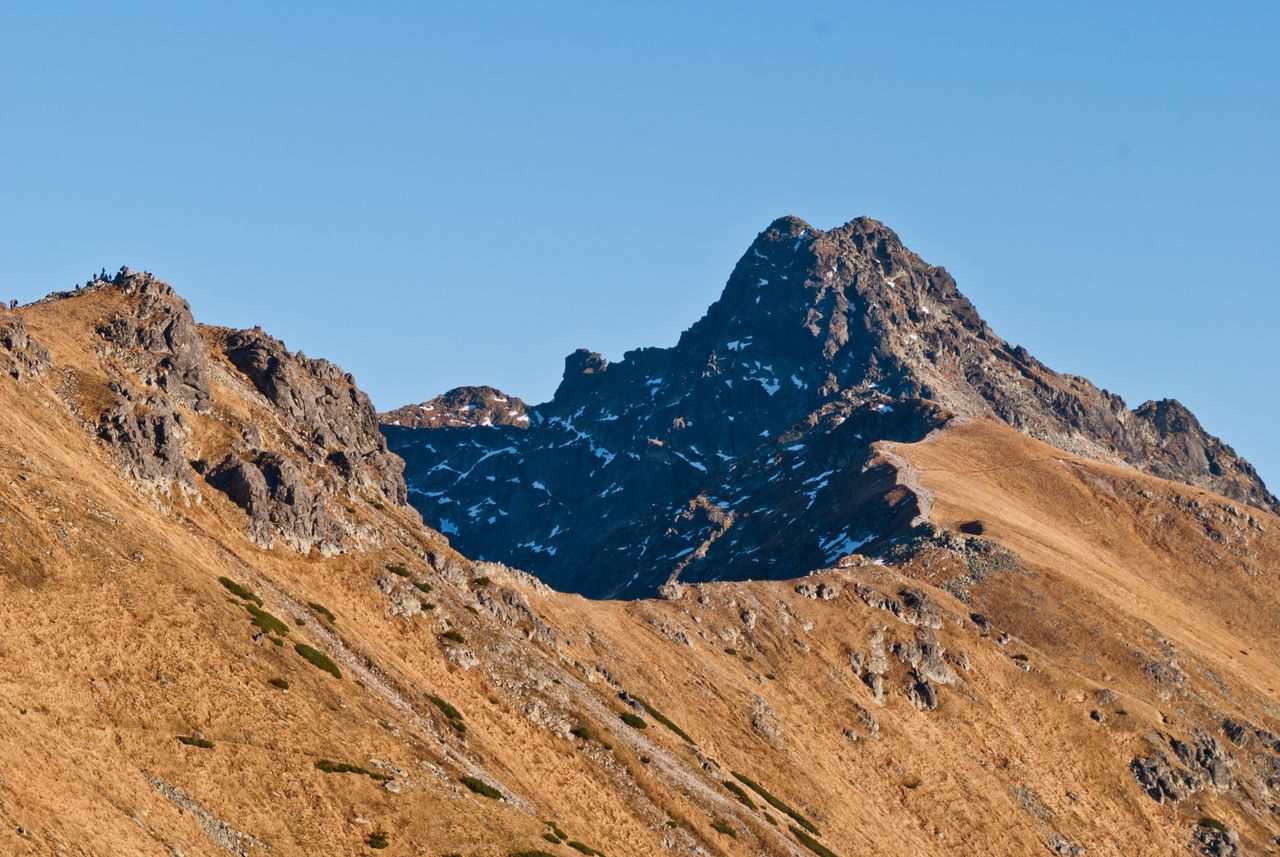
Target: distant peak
column 866, row 226
column 789, row 226
column 580, row 368
column 461, row 407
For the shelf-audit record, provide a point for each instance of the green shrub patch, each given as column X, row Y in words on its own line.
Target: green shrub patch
column 318, row 659
column 266, row 622
column 240, row 591
column 635, row 721
column 776, row 803
column 662, row 718
column 323, row 611
column 331, row 767
column 480, row 787
column 809, row 842
column 736, row 791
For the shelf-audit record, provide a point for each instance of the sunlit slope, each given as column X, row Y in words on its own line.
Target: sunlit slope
column 935, row 700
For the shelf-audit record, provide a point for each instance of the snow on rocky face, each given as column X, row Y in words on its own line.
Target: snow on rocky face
column 747, row 450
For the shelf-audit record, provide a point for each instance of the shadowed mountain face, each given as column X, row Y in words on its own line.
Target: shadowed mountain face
column 747, row 450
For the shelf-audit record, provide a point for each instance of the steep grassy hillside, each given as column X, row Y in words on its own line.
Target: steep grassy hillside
column 169, row 684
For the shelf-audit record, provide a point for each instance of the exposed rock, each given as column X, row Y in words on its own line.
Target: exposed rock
column 332, row 414
column 875, row 683
column 918, row 608
column 1206, row 757
column 158, row 340
column 765, row 722
column 1214, row 842
column 1165, row 671
column 403, row 600
column 511, row 608
column 157, row 364
column 21, row 356
column 926, row 656
column 272, row 491
column 1161, row 779
column 220, row 832
column 1238, row 733
column 539, row 713
column 818, row 591
column 671, row 590
column 149, row 437
column 667, row 629
column 877, row 600
column 1065, row 847
column 463, row 657
column 980, row 557
column 872, row 669
column 921, row 692
column 868, row 721
column 461, row 407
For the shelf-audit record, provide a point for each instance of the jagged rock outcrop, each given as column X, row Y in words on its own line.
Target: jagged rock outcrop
column 768, row 411
column 1160, row 779
column 157, row 364
column 21, row 356
column 333, row 416
column 158, row 341
column 279, row 503
column 1213, row 840
column 1198, row 763
column 149, row 436
column 313, row 437
column 1168, row 441
column 461, row 407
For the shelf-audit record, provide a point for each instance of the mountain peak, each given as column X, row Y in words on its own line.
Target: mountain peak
column 820, row 345
column 461, row 407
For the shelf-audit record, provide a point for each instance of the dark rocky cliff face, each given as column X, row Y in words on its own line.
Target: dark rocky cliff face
column 746, row 450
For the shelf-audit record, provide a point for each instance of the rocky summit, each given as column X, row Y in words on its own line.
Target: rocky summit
column 756, row 446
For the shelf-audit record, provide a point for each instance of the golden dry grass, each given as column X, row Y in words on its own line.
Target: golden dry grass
column 116, row 637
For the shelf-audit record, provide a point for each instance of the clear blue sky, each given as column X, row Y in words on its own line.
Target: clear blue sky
column 438, row 194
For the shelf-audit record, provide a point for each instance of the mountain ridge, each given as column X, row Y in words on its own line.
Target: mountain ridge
column 812, row 330
column 1064, row 657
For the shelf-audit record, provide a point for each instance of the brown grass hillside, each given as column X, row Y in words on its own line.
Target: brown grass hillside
column 1150, row 605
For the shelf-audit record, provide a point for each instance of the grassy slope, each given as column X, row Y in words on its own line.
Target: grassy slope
column 115, row 637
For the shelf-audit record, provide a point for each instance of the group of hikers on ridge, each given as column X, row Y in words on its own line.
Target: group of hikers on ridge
column 93, row 278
